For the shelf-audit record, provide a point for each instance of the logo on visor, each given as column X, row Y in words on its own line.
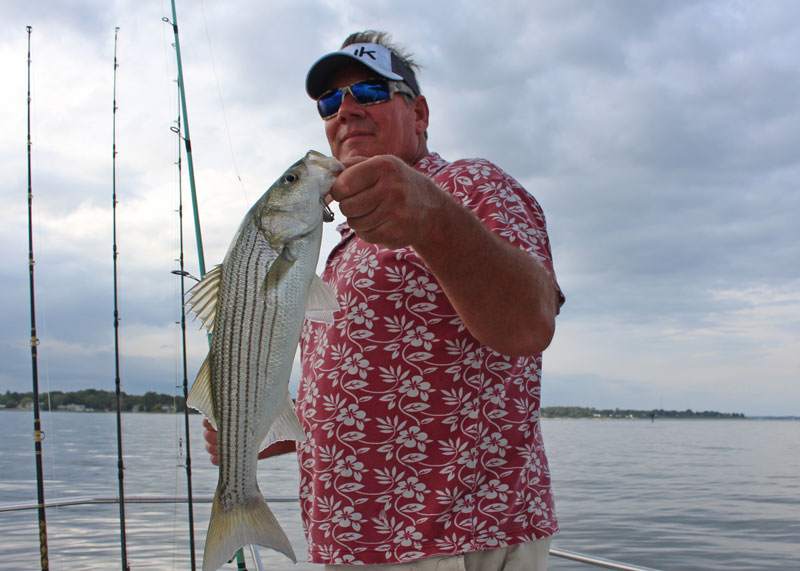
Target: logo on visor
column 362, row 51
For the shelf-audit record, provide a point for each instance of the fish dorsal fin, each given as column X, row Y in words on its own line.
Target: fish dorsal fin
column 203, row 297
column 200, row 397
column 286, row 426
column 322, row 301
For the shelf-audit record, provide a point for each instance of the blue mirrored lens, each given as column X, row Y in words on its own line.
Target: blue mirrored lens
column 370, row 92
column 365, row 93
column 330, row 105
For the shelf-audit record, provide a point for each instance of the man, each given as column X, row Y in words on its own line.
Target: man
column 421, row 402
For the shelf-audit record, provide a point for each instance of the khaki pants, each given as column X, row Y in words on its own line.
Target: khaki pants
column 531, row 556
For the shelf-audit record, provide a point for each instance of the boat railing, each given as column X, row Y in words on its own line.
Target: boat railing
column 142, row 499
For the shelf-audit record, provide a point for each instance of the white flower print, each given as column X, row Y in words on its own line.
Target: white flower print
column 469, row 458
column 415, row 387
column 366, row 262
column 411, row 488
column 352, row 416
column 356, row 364
column 348, row 517
column 361, row 314
column 492, row 536
column 494, row 443
column 412, row 437
column 478, row 170
column 495, row 394
column 500, row 193
column 536, row 506
column 419, row 337
column 409, row 536
column 465, row 504
column 494, row 490
column 474, row 359
column 422, row 287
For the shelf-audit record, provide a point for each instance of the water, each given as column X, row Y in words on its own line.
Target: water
column 679, row 494
column 674, row 494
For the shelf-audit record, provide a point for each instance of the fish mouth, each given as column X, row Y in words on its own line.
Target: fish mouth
column 324, row 162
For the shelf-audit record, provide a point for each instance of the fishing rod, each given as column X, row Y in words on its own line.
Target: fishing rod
column 187, row 142
column 38, row 435
column 183, row 275
column 120, row 463
column 190, row 163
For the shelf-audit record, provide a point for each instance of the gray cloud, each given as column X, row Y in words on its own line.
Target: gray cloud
column 659, row 137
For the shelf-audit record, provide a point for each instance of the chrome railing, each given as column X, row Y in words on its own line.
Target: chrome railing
column 90, row 500
column 597, row 561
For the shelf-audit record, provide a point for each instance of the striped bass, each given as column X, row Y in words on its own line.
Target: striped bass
column 254, row 304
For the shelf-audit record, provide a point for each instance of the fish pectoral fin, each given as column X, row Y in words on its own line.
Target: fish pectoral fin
column 202, row 297
column 322, row 302
column 200, row 397
column 279, row 268
column 286, row 426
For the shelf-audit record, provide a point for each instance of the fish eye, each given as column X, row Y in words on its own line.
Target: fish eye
column 289, row 178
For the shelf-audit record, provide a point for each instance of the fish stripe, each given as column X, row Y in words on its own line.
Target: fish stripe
column 245, row 312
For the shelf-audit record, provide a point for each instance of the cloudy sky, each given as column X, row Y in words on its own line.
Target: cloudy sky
column 660, row 137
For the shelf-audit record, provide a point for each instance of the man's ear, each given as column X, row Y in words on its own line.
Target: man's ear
column 421, row 114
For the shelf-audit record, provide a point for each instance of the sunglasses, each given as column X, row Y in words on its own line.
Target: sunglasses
column 368, row 92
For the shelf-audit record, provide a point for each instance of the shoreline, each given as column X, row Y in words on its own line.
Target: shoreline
column 721, row 416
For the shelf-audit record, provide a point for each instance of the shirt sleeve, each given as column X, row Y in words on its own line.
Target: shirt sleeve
column 503, row 205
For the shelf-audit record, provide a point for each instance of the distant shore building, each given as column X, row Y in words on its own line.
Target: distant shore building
column 73, row 408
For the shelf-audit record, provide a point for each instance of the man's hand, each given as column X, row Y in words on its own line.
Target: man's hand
column 212, row 445
column 386, row 201
column 210, row 436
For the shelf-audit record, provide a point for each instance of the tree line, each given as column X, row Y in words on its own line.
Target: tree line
column 584, row 412
column 97, row 400
column 94, row 400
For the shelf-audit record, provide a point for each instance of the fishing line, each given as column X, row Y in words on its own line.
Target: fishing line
column 117, row 381
column 34, row 341
column 221, row 102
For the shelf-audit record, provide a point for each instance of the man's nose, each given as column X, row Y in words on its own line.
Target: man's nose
column 350, row 106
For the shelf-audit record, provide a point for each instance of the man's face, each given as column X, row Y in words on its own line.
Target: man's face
column 390, row 128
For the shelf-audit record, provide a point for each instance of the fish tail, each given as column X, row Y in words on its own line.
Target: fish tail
column 250, row 523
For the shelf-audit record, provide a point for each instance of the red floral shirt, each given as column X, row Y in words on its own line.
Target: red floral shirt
column 422, row 441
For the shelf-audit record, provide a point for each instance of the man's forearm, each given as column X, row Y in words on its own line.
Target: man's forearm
column 505, row 297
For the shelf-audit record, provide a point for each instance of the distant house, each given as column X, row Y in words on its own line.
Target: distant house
column 72, row 407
